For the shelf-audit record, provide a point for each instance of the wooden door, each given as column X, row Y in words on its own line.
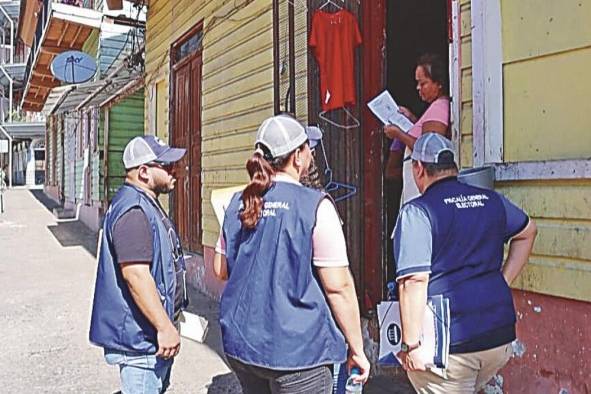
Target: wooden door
column 186, row 133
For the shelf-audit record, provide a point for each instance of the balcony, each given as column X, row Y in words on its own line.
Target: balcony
column 60, row 27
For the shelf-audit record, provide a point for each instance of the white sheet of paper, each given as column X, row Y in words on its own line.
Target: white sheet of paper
column 220, row 199
column 385, row 108
column 193, row 326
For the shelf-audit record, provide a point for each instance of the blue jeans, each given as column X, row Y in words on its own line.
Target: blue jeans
column 140, row 373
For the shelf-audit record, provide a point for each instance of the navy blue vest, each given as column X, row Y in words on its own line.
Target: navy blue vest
column 468, row 225
column 273, row 311
column 116, row 322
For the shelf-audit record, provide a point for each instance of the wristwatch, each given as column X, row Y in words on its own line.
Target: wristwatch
column 406, row 348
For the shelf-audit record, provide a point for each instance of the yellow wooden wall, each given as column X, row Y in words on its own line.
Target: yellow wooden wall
column 546, row 60
column 465, row 84
column 546, row 53
column 237, row 91
column 561, row 260
column 301, row 54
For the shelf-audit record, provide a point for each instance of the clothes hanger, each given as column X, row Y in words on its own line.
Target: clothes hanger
column 349, row 115
column 329, row 2
column 333, row 186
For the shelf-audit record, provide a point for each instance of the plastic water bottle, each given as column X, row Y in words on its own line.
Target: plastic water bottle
column 352, row 386
column 392, row 296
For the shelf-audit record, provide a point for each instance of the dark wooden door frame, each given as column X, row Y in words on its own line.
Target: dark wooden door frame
column 173, row 67
column 373, row 21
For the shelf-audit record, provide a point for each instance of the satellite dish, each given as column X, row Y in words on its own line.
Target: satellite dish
column 73, row 67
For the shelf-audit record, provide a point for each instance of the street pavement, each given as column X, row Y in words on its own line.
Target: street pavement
column 47, row 270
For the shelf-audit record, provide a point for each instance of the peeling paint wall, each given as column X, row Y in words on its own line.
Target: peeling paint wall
column 554, row 348
column 546, row 49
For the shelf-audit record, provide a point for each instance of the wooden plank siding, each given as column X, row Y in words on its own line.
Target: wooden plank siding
column 545, row 47
column 466, row 106
column 237, row 89
column 549, row 43
column 125, row 122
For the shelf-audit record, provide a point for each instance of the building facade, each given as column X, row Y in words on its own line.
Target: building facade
column 216, row 69
column 89, row 122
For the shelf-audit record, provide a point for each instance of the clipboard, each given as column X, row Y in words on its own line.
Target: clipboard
column 220, row 199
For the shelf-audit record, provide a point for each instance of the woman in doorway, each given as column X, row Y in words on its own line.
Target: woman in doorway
column 432, row 81
column 289, row 305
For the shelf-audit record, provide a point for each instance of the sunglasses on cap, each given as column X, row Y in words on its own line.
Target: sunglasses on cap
column 165, row 166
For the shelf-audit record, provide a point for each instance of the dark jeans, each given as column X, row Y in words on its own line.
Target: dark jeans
column 256, row 380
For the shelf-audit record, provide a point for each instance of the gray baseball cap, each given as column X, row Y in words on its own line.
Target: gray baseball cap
column 148, row 148
column 429, row 146
column 282, row 134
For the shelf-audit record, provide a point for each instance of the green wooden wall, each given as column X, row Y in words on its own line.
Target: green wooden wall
column 126, row 120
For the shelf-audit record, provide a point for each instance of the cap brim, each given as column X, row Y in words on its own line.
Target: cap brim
column 314, row 135
column 171, row 155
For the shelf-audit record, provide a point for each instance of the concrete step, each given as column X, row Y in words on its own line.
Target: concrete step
column 62, row 213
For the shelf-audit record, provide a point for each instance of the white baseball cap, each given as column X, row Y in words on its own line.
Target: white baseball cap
column 148, row 148
column 429, row 146
column 282, row 134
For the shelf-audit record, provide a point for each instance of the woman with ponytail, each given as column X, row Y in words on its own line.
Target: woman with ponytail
column 289, row 306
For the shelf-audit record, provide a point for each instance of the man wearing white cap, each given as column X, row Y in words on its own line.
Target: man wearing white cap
column 450, row 241
column 140, row 284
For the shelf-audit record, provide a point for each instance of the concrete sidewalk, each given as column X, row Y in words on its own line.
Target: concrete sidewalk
column 47, row 271
column 46, row 283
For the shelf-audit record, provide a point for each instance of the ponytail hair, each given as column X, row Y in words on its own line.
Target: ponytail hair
column 261, row 168
column 261, row 173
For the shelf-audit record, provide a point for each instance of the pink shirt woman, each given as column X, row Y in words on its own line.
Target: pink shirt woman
column 431, row 77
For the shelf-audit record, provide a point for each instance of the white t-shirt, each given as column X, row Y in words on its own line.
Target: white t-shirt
column 328, row 239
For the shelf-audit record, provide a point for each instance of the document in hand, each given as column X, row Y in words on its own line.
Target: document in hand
column 434, row 349
column 220, row 199
column 385, row 108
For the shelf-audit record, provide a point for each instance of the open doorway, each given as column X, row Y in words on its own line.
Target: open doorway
column 413, row 28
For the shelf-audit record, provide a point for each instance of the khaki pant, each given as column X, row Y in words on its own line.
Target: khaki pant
column 466, row 372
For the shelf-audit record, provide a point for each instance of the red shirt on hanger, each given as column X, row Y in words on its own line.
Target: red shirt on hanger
column 333, row 39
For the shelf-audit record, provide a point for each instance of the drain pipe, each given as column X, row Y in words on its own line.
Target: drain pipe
column 3, row 130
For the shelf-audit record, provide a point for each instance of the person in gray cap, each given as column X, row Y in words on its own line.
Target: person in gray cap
column 289, row 306
column 450, row 241
column 140, row 282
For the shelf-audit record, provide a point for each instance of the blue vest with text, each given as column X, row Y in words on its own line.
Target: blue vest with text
column 273, row 311
column 117, row 323
column 468, row 225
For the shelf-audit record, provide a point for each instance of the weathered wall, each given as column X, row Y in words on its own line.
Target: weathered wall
column 553, row 354
column 237, row 90
column 125, row 122
column 560, row 264
column 533, row 37
column 546, row 45
column 546, row 56
column 466, row 84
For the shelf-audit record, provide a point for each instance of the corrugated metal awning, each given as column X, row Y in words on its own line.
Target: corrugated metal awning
column 24, row 129
column 16, row 71
column 90, row 94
